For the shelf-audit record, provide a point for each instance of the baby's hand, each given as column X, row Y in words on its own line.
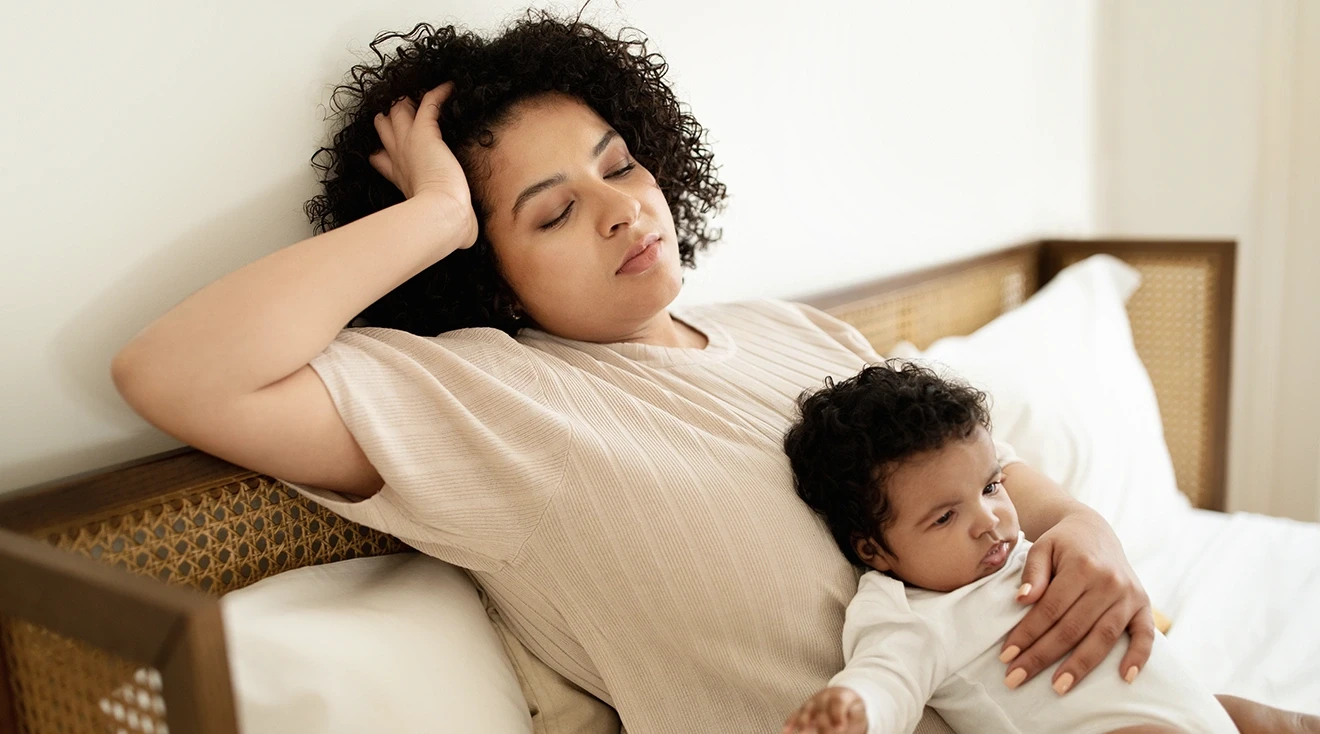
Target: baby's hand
column 832, row 711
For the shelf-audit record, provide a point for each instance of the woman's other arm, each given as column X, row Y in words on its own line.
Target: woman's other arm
column 1084, row 591
column 226, row 370
column 1041, row 503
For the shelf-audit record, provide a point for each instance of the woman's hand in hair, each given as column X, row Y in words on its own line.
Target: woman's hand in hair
column 415, row 158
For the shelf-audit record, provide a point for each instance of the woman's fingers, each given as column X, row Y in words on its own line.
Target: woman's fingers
column 403, row 111
column 392, row 126
column 384, row 130
column 380, row 160
column 1141, row 628
column 431, row 101
column 413, row 153
column 1257, row 718
column 1062, row 638
column 1093, row 595
column 1023, row 649
column 1037, row 572
column 401, row 120
column 1104, row 634
column 1057, row 599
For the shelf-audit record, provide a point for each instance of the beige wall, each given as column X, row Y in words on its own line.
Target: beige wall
column 1207, row 120
column 1297, row 429
column 150, row 147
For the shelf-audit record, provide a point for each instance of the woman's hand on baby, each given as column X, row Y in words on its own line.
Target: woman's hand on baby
column 415, row 158
column 834, row 710
column 1085, row 595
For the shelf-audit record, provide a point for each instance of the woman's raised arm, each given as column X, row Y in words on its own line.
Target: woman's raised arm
column 226, row 370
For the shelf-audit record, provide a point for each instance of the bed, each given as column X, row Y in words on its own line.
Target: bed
column 1257, row 576
column 110, row 611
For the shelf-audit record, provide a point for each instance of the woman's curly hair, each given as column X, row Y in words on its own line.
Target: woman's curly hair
column 617, row 77
column 850, row 436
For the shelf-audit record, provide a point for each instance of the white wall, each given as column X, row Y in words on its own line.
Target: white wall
column 149, row 148
column 1206, row 127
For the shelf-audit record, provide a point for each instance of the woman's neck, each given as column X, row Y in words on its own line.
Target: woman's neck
column 667, row 331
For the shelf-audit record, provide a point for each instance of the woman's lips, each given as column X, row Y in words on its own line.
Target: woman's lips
column 643, row 259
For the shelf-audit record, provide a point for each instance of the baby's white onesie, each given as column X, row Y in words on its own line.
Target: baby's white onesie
column 905, row 647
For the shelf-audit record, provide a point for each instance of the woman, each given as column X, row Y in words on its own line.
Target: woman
column 609, row 468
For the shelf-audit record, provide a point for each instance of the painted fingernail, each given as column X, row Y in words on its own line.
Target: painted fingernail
column 1008, row 654
column 1131, row 674
column 1015, row 678
column 1064, row 682
column 1024, row 590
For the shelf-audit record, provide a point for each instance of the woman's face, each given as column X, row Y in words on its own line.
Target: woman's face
column 568, row 212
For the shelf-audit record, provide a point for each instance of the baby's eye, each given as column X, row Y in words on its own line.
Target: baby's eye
column 990, row 488
column 945, row 518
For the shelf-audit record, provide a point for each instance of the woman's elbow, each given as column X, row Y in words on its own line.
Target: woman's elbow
column 143, row 385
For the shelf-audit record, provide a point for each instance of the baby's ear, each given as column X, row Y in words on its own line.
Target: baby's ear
column 870, row 553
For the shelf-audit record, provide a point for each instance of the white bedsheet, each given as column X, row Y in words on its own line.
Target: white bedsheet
column 1243, row 592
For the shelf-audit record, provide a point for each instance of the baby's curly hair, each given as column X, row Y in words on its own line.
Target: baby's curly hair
column 539, row 53
column 851, row 435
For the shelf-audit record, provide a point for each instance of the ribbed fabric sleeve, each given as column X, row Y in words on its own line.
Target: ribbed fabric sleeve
column 628, row 508
column 457, row 428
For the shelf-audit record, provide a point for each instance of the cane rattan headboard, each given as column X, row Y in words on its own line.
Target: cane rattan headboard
column 108, row 611
column 1181, row 324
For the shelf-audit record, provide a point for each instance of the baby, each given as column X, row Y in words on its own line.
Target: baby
column 901, row 465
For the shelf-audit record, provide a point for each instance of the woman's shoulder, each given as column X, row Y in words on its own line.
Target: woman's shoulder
column 391, row 355
column 477, row 335
column 771, row 310
column 476, row 343
column 802, row 322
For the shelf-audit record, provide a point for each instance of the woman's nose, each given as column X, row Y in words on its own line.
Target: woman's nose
column 619, row 211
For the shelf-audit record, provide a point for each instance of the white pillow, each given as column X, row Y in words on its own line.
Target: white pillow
column 1070, row 394
column 397, row 643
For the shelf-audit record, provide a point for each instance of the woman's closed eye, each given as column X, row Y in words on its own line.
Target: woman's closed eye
column 563, row 216
column 559, row 219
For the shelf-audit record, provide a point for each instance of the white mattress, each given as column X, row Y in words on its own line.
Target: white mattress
column 1243, row 592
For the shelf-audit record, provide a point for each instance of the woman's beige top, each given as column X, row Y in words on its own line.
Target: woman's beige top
column 628, row 507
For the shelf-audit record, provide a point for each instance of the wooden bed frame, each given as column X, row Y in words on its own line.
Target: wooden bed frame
column 109, row 611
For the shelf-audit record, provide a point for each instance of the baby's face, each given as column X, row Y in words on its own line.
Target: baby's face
column 953, row 522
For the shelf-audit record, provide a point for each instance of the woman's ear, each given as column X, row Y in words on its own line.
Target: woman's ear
column 869, row 551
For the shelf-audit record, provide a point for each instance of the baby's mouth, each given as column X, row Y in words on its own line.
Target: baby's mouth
column 997, row 554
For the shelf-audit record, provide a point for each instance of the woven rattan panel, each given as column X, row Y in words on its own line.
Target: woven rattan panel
column 62, row 685
column 222, row 538
column 948, row 305
column 1173, row 327
column 215, row 539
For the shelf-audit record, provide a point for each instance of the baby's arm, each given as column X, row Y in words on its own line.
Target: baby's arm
column 894, row 661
